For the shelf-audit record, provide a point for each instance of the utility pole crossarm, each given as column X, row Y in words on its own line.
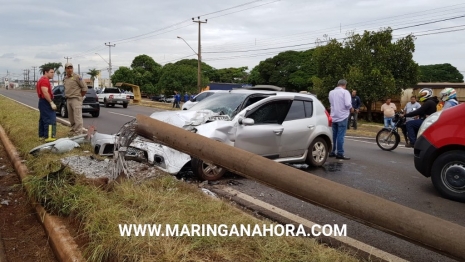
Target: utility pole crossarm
column 67, row 58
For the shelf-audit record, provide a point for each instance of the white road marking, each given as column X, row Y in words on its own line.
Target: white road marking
column 121, row 114
column 402, row 147
column 378, row 253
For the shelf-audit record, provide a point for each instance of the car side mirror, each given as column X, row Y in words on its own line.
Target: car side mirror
column 246, row 121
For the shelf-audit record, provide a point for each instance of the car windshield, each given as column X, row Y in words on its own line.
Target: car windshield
column 222, row 103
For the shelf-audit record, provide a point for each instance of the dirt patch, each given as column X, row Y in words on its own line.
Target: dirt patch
column 23, row 236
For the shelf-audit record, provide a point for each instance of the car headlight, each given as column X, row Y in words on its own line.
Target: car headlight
column 428, row 122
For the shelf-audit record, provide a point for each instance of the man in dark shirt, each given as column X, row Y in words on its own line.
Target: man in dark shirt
column 429, row 107
column 356, row 103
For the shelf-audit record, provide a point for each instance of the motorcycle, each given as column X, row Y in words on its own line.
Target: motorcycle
column 388, row 138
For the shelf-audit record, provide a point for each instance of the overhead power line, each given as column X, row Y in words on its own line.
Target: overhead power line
column 324, row 41
column 288, row 46
column 160, row 31
column 317, row 33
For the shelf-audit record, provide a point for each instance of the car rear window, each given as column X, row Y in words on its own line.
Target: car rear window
column 90, row 91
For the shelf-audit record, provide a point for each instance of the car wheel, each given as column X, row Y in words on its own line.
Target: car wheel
column 448, row 175
column 95, row 114
column 63, row 111
column 106, row 103
column 317, row 152
column 125, row 105
column 206, row 171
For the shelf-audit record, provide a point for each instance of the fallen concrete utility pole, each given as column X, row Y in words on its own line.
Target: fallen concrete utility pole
column 434, row 233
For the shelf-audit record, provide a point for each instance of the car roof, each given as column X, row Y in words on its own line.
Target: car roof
column 277, row 93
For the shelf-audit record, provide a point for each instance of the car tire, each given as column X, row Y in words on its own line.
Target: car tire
column 448, row 175
column 317, row 152
column 106, row 103
column 63, row 111
column 206, row 171
column 125, row 105
column 95, row 114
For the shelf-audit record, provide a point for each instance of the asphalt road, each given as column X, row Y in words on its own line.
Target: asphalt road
column 390, row 175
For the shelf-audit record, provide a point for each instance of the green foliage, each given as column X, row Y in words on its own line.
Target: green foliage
column 144, row 72
column 372, row 64
column 123, row 74
column 291, row 69
column 231, row 75
column 206, row 69
column 179, row 77
column 440, row 73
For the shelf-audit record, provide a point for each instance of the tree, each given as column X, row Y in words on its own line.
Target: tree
column 290, row 69
column 123, row 74
column 440, row 73
column 206, row 69
column 93, row 74
column 144, row 72
column 181, row 78
column 232, row 75
column 372, row 64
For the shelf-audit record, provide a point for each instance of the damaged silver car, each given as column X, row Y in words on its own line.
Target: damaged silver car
column 282, row 126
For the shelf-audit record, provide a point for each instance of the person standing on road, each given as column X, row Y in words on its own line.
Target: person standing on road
column 341, row 107
column 186, row 97
column 389, row 110
column 75, row 90
column 177, row 99
column 356, row 103
column 48, row 119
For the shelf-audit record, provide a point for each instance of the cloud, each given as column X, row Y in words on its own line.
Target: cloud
column 48, row 55
column 8, row 55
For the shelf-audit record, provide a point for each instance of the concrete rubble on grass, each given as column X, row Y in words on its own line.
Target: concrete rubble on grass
column 93, row 168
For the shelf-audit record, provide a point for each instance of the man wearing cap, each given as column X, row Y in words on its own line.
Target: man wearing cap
column 75, row 90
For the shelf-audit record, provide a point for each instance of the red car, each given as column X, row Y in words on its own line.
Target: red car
column 440, row 151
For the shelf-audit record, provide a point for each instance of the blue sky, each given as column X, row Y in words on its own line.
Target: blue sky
column 243, row 34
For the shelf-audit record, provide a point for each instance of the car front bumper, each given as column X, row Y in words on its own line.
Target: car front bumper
column 424, row 156
column 167, row 159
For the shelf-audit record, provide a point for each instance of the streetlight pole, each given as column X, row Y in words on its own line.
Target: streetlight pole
column 109, row 54
column 199, row 54
column 109, row 66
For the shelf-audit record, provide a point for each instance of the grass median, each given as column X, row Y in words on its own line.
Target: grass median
column 162, row 200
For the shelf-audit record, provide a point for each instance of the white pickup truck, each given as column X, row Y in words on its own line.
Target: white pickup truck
column 112, row 96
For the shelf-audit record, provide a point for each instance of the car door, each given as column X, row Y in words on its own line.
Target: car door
column 264, row 136
column 299, row 126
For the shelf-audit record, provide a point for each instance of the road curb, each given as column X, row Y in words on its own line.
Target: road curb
column 61, row 241
column 354, row 247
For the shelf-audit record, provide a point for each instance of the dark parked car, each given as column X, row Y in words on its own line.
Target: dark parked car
column 90, row 104
column 167, row 99
column 157, row 98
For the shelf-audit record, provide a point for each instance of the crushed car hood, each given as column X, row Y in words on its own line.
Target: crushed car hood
column 186, row 118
